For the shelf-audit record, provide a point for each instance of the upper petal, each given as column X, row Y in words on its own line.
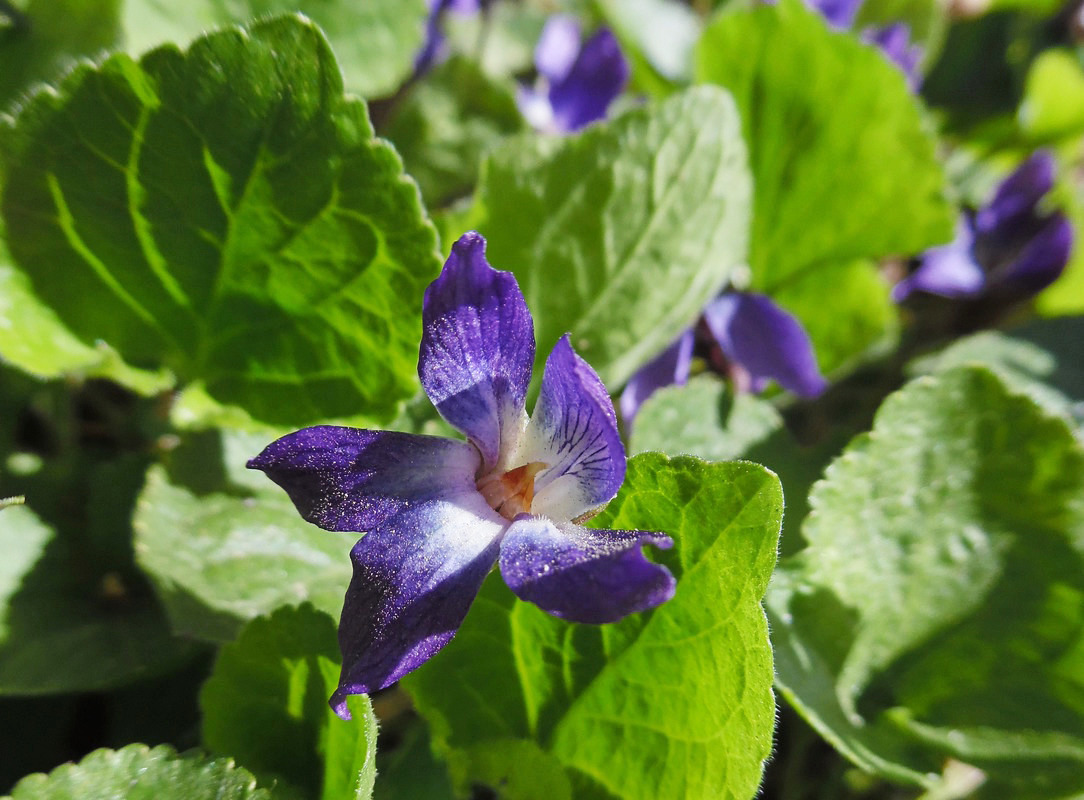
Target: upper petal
column 1017, row 195
column 1041, row 261
column 477, row 349
column 573, row 430
column 581, row 574
column 669, row 367
column 347, row 479
column 557, row 47
column 595, row 79
column 415, row 577
column 765, row 340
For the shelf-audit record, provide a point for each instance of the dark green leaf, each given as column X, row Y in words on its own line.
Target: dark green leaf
column 227, row 213
column 266, row 704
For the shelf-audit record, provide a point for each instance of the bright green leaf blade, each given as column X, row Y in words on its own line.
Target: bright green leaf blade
column 944, row 584
column 843, row 165
column 266, row 704
column 622, row 234
column 445, row 124
column 230, row 215
column 51, row 608
column 1053, row 104
column 376, row 41
column 47, row 37
column 674, row 703
column 349, row 748
column 221, row 558
column 138, row 772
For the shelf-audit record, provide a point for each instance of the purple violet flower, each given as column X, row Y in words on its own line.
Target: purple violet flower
column 1006, row 245
column 438, row 513
column 432, row 49
column 756, row 341
column 839, row 14
column 579, row 81
column 895, row 42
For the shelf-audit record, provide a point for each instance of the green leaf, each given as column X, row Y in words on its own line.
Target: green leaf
column 33, row 339
column 230, row 216
column 939, row 607
column 1053, row 104
column 703, row 419
column 139, row 772
column 1043, row 360
column 621, row 235
column 223, row 557
column 266, row 705
column 49, row 35
column 844, row 168
column 446, row 123
column 375, row 41
column 53, row 603
column 671, row 703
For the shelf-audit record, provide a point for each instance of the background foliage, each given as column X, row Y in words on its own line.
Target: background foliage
column 218, row 220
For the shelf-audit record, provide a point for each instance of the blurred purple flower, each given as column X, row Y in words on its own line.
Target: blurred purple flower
column 1007, row 245
column 432, row 49
column 757, row 341
column 839, row 14
column 895, row 42
column 578, row 81
column 439, row 513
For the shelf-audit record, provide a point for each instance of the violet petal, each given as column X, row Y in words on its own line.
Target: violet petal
column 583, row 575
column 573, row 430
column 477, row 349
column 1042, row 259
column 766, row 341
column 839, row 14
column 347, row 479
column 669, row 367
column 949, row 270
column 595, row 79
column 1017, row 195
column 414, row 580
column 557, row 47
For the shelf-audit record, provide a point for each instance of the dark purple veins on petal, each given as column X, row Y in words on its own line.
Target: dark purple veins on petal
column 347, row 479
column 573, row 430
column 584, row 575
column 477, row 347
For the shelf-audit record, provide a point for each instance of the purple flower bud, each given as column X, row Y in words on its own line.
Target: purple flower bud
column 579, row 81
column 1008, row 245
